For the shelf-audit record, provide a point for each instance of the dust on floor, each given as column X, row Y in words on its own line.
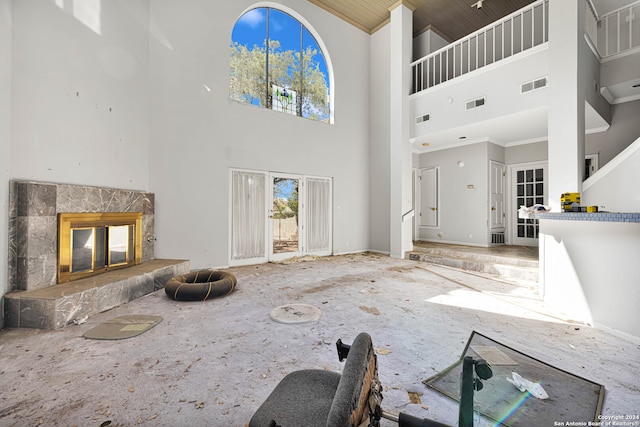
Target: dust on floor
column 212, row 363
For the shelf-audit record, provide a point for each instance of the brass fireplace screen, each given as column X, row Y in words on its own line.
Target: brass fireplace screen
column 93, row 243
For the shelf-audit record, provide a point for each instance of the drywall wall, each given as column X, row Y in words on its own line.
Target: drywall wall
column 5, row 140
column 379, row 153
column 625, row 128
column 576, row 281
column 526, row 153
column 79, row 92
column 198, row 133
column 464, row 211
column 620, row 69
column 499, row 83
column 427, row 42
column 618, row 174
column 589, row 66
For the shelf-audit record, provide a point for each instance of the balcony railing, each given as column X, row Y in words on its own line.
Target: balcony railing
column 616, row 32
column 515, row 33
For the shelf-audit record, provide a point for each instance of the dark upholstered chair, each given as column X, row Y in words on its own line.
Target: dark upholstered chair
column 318, row 398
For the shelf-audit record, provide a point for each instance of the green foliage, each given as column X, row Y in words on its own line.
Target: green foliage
column 294, row 70
column 285, row 202
column 247, row 74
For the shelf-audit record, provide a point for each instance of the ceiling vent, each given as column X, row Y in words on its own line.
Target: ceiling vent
column 533, row 85
column 423, row 118
column 475, row 103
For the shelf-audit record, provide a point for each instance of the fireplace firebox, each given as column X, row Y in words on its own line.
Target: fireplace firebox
column 95, row 242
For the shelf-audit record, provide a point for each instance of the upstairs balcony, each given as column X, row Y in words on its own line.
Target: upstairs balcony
column 515, row 33
column 503, row 67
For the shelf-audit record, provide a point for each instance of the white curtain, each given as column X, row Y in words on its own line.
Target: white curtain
column 318, row 215
column 248, row 232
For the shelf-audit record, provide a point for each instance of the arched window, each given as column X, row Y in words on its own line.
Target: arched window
column 276, row 63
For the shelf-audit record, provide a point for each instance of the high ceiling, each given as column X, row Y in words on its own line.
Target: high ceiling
column 452, row 19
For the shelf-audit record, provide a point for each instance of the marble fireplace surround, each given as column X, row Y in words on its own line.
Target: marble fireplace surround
column 33, row 225
column 35, row 298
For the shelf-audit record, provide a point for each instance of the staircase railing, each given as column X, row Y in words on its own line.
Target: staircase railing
column 515, row 33
column 616, row 32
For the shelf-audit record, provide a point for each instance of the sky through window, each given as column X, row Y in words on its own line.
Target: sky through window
column 279, row 81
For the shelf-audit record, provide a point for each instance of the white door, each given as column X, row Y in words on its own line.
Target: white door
column 414, row 185
column 429, row 197
column 285, row 216
column 496, row 202
column 528, row 187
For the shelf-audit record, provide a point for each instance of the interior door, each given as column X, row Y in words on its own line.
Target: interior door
column 496, row 202
column 429, row 197
column 528, row 184
column 285, row 216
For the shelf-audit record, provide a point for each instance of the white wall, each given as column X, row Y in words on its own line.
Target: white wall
column 577, row 276
column 197, row 135
column 379, row 190
column 620, row 173
column 464, row 213
column 525, row 153
column 591, row 80
column 499, row 83
column 80, row 98
column 621, row 69
column 625, row 128
column 427, row 42
column 5, row 139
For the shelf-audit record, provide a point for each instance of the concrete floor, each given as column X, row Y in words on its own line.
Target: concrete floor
column 212, row 363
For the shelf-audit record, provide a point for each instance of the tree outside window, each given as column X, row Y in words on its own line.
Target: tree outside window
column 276, row 63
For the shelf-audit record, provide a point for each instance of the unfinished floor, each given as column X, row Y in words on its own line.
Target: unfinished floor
column 212, row 363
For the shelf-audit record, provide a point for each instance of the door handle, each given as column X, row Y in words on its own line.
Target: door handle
column 434, row 209
column 493, row 208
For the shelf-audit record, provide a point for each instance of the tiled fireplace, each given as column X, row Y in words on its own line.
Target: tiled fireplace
column 37, row 295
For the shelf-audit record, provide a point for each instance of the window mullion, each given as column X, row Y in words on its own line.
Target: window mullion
column 266, row 68
column 300, row 93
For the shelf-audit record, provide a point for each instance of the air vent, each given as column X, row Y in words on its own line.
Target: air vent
column 423, row 118
column 497, row 238
column 533, row 85
column 475, row 103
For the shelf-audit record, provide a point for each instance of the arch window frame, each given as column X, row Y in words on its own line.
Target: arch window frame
column 268, row 84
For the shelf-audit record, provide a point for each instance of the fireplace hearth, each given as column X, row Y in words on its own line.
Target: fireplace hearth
column 107, row 229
